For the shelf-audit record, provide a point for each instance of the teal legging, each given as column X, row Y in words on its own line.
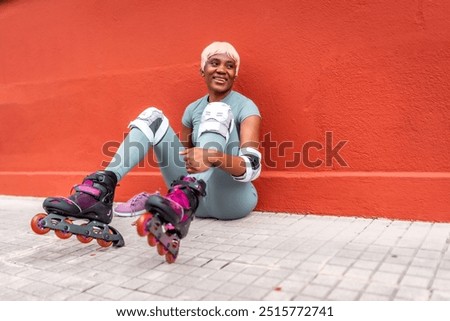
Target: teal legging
column 226, row 199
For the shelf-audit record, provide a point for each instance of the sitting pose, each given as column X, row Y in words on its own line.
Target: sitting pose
column 208, row 169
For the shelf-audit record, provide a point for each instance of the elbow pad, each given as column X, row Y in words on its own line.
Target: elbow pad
column 252, row 158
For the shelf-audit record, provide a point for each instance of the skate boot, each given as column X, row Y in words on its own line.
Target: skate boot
column 169, row 217
column 90, row 206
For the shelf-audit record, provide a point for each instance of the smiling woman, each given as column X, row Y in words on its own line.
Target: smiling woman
column 209, row 167
column 219, row 73
column 219, row 67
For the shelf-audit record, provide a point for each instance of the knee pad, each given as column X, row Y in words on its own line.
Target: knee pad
column 252, row 159
column 152, row 123
column 217, row 118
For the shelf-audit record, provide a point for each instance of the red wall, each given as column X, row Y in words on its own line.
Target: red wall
column 374, row 74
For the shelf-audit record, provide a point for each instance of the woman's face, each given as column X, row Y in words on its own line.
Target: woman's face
column 219, row 74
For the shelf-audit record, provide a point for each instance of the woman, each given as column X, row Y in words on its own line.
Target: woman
column 209, row 168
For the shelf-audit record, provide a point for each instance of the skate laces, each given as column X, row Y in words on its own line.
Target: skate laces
column 134, row 206
column 135, row 200
column 87, row 186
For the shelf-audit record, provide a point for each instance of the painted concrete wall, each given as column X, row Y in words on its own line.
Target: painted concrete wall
column 354, row 95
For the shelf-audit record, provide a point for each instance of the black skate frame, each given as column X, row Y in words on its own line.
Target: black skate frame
column 170, row 239
column 94, row 229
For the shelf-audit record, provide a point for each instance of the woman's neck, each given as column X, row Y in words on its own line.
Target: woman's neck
column 214, row 97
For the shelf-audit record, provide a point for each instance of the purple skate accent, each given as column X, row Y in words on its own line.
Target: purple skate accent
column 86, row 195
column 59, row 199
column 84, row 200
column 189, row 179
column 88, row 190
column 179, row 205
column 179, row 197
column 70, row 202
column 169, row 227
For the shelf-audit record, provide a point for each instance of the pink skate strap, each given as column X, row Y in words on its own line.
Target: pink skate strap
column 88, row 190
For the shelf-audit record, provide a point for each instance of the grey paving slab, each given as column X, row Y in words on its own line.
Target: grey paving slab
column 265, row 256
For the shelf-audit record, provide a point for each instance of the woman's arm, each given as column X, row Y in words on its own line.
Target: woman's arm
column 186, row 137
column 199, row 160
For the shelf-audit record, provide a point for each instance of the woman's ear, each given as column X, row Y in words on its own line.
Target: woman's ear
column 202, row 73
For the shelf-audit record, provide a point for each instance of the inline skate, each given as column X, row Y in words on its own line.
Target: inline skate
column 86, row 213
column 169, row 217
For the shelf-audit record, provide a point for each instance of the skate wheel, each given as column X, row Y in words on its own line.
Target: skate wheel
column 141, row 224
column 170, row 258
column 104, row 243
column 161, row 249
column 63, row 234
column 152, row 240
column 83, row 238
column 36, row 224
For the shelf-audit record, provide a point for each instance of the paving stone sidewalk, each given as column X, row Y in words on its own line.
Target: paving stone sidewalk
column 266, row 256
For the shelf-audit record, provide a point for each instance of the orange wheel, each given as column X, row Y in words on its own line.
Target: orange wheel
column 170, row 258
column 161, row 249
column 141, row 224
column 36, row 226
column 152, row 240
column 104, row 243
column 84, row 238
column 63, row 234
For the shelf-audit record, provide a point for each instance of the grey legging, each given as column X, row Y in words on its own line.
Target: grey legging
column 225, row 199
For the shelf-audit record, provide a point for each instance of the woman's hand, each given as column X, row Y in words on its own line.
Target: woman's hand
column 197, row 160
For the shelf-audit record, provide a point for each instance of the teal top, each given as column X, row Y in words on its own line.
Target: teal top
column 241, row 107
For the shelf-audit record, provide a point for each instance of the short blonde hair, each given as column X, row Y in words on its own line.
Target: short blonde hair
column 219, row 47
